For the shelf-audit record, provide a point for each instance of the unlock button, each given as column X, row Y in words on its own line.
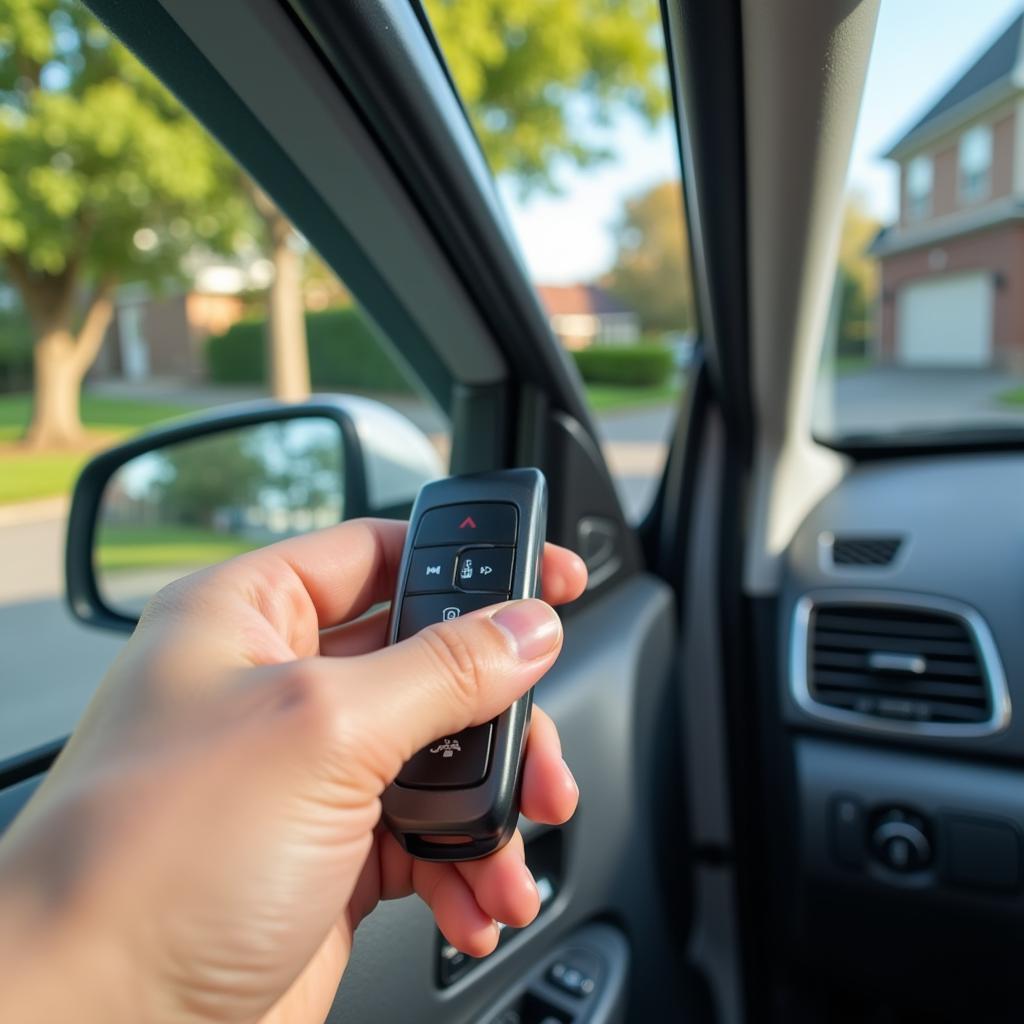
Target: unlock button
column 487, row 570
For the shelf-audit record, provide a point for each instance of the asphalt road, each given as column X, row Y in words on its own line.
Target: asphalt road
column 50, row 664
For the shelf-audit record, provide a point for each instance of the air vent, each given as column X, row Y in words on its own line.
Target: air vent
column 926, row 666
column 852, row 550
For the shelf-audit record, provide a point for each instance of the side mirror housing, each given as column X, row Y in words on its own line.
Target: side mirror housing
column 206, row 487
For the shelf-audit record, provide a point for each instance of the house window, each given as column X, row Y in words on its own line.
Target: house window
column 920, row 176
column 975, row 163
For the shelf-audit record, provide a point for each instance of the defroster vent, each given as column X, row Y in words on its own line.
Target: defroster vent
column 866, row 551
column 922, row 667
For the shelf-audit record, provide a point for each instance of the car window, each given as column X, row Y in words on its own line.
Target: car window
column 925, row 342
column 570, row 102
column 143, row 276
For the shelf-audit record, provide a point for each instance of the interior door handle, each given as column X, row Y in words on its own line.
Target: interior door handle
column 597, row 544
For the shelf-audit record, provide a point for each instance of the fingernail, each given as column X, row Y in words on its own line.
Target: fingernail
column 532, row 625
column 570, row 777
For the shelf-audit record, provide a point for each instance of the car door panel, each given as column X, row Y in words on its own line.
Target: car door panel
column 606, row 693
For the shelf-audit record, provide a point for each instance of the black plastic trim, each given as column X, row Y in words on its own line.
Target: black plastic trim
column 30, row 763
column 425, row 134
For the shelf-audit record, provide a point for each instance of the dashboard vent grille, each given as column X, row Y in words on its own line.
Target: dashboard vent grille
column 865, row 550
column 905, row 664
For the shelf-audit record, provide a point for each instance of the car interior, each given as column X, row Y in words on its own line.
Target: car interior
column 789, row 692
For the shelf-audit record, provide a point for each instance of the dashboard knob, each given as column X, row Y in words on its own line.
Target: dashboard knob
column 899, row 841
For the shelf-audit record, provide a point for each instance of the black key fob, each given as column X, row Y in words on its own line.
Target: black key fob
column 473, row 541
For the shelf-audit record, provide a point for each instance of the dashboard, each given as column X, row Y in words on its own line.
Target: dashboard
column 901, row 698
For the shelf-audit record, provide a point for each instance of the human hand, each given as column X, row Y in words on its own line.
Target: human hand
column 209, row 839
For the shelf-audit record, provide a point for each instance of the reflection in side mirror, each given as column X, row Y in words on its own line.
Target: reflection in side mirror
column 201, row 489
column 171, row 511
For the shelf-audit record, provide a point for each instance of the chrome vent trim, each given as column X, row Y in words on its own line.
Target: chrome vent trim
column 988, row 655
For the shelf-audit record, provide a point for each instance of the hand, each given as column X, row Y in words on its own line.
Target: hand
column 208, row 841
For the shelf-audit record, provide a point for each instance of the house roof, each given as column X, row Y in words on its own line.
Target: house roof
column 986, row 81
column 569, row 299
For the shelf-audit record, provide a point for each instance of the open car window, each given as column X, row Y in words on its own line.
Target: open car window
column 143, row 276
column 571, row 105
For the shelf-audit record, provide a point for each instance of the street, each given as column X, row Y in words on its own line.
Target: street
column 51, row 664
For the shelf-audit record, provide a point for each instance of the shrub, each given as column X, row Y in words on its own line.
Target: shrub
column 344, row 353
column 15, row 352
column 642, row 365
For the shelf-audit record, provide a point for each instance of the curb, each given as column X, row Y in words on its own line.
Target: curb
column 43, row 510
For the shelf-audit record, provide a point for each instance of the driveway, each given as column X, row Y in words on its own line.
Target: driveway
column 889, row 399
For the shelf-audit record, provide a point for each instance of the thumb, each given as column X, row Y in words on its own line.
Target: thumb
column 447, row 677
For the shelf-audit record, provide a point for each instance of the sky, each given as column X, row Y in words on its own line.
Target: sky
column 921, row 46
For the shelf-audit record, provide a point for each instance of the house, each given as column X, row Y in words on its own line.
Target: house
column 162, row 334
column 584, row 314
column 952, row 266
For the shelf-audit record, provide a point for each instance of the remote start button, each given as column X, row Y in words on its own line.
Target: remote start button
column 452, row 762
column 485, row 569
column 490, row 523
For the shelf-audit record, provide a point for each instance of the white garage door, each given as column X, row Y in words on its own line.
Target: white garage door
column 945, row 321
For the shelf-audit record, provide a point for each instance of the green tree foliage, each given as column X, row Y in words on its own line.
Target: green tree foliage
column 104, row 178
column 652, row 263
column 858, row 278
column 537, row 75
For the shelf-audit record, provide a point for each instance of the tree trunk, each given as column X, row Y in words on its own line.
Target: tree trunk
column 56, row 420
column 287, row 346
column 60, row 361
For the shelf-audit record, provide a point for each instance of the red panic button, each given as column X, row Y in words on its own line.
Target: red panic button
column 479, row 523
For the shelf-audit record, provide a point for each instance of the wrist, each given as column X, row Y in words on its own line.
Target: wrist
column 56, row 966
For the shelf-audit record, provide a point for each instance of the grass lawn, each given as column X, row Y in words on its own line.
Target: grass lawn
column 1015, row 396
column 614, row 397
column 852, row 364
column 26, row 475
column 150, row 547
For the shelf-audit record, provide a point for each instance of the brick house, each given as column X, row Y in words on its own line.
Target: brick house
column 952, row 266
column 584, row 314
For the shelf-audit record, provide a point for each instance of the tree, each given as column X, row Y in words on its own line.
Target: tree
column 287, row 345
column 104, row 178
column 652, row 262
column 536, row 75
column 858, row 277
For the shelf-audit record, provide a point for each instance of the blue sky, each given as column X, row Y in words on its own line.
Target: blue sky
column 920, row 47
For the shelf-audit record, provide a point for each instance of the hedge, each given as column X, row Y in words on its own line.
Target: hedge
column 15, row 352
column 344, row 353
column 630, row 365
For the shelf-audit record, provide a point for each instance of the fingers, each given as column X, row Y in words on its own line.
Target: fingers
column 550, row 793
column 383, row 707
column 503, row 885
column 496, row 888
column 563, row 575
column 450, row 899
column 367, row 634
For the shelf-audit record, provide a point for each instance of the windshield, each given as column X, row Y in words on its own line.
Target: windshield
column 925, row 341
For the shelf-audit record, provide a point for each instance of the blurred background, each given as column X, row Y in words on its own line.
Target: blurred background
column 143, row 275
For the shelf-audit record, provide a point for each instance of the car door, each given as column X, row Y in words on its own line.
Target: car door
column 346, row 116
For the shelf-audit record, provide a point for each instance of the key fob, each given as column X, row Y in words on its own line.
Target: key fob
column 473, row 541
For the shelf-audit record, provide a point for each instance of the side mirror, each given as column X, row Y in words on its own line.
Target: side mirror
column 202, row 489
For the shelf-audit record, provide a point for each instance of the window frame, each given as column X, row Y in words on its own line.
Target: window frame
column 975, row 186
column 918, row 206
